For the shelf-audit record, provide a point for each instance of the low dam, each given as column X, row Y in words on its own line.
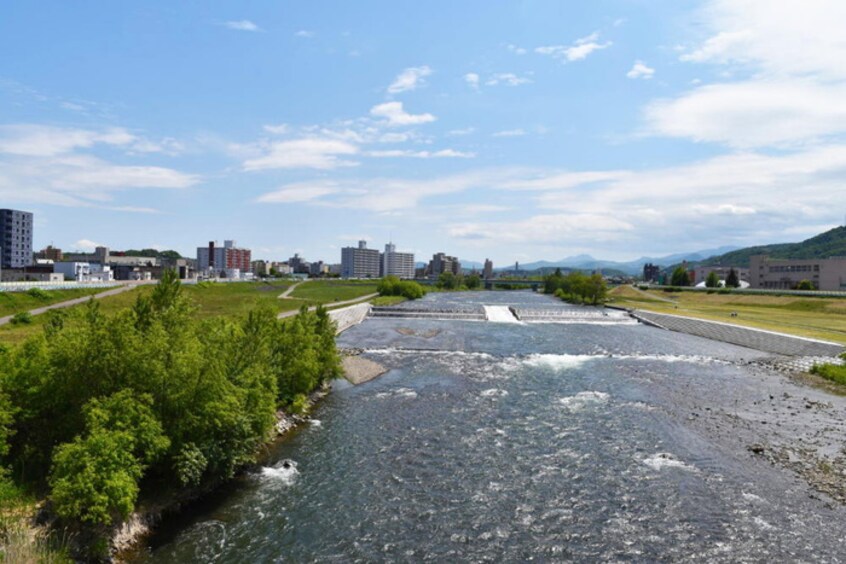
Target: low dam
column 563, row 435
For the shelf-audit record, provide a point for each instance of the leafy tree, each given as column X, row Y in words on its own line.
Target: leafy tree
column 680, row 277
column 713, row 280
column 805, row 285
column 732, row 280
column 449, row 281
column 473, row 282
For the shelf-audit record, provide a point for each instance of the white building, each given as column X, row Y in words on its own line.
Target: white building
column 84, row 271
column 397, row 264
column 360, row 262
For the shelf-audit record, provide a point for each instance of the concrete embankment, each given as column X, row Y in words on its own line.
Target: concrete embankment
column 758, row 339
column 349, row 316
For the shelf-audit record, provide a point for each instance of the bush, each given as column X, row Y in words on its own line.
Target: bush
column 831, row 372
column 393, row 286
column 38, row 293
column 22, row 318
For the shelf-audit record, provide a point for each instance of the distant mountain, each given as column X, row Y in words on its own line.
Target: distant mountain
column 587, row 262
column 832, row 243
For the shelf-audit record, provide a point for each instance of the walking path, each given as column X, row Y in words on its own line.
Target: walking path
column 758, row 339
column 73, row 302
column 361, row 299
column 286, row 294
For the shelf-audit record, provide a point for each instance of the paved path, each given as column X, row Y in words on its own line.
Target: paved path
column 285, row 295
column 73, row 302
column 294, row 312
column 758, row 339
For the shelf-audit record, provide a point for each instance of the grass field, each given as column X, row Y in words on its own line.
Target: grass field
column 326, row 292
column 16, row 302
column 817, row 318
column 387, row 300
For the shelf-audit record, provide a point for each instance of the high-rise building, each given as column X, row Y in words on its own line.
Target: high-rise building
column 441, row 263
column 651, row 272
column 397, row 264
column 487, row 273
column 221, row 259
column 15, row 238
column 360, row 262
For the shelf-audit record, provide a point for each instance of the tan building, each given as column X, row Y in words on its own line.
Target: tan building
column 701, row 273
column 781, row 274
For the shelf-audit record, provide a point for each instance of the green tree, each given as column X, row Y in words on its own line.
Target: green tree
column 713, row 280
column 680, row 277
column 473, row 282
column 805, row 285
column 448, row 281
column 732, row 280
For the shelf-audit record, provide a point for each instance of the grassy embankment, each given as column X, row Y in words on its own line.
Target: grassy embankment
column 816, row 318
column 328, row 291
column 16, row 302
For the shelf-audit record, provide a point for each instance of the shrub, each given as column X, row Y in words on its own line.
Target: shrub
column 38, row 293
column 22, row 318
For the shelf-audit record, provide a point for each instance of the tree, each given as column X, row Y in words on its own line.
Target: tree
column 732, row 280
column 713, row 280
column 448, row 281
column 805, row 285
column 680, row 277
column 473, row 282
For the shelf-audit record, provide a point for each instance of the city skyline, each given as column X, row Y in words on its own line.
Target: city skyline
column 513, row 132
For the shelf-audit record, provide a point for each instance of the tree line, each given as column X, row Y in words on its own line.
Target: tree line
column 576, row 287
column 97, row 411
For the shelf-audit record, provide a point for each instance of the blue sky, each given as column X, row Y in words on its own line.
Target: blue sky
column 511, row 130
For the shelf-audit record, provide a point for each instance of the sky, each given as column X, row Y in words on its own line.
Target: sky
column 513, row 130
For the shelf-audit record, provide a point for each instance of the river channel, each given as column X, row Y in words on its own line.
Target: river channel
column 535, row 441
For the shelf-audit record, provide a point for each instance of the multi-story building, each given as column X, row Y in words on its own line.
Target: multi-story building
column 781, row 274
column 84, row 271
column 260, row 267
column 360, row 262
column 299, row 265
column 15, row 238
column 651, row 272
column 441, row 263
column 397, row 264
column 487, row 273
column 222, row 259
column 50, row 253
column 701, row 273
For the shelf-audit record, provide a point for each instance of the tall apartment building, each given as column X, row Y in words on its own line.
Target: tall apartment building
column 487, row 273
column 441, row 263
column 15, row 238
column 221, row 259
column 360, row 262
column 397, row 264
column 651, row 272
column 780, row 274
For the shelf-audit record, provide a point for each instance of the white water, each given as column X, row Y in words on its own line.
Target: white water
column 499, row 314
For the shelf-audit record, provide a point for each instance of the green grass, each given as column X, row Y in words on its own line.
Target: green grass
column 16, row 302
column 388, row 300
column 816, row 318
column 832, row 372
column 326, row 292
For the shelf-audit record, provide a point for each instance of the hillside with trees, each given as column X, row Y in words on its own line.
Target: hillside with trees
column 829, row 244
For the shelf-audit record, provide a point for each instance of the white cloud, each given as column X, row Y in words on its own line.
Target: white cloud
column 277, row 129
column 510, row 133
column 460, row 132
column 296, row 193
column 754, row 113
column 507, row 78
column 395, row 115
column 443, row 153
column 472, row 79
column 516, row 49
column 409, row 79
column 86, row 245
column 44, row 140
column 579, row 50
column 313, row 152
column 305, row 34
column 548, row 228
column 640, row 70
column 242, row 25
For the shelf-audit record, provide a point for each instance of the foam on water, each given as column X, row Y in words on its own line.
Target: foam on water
column 281, row 473
column 583, row 399
column 557, row 361
column 661, row 460
column 493, row 392
column 499, row 314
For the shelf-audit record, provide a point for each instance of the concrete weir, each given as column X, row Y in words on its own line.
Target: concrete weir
column 500, row 314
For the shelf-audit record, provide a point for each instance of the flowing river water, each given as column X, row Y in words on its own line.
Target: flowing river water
column 535, row 441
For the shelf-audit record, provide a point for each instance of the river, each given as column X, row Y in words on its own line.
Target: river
column 548, row 441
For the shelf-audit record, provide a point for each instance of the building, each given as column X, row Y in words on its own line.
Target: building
column 487, row 273
column 50, row 253
column 84, row 271
column 441, row 263
column 318, row 268
column 827, row 274
column 260, row 267
column 299, row 265
column 651, row 272
column 15, row 238
column 100, row 255
column 397, row 264
column 220, row 260
column 360, row 262
column 280, row 268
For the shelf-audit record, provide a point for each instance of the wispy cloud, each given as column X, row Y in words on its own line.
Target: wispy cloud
column 472, row 79
column 314, row 152
column 395, row 115
column 640, row 70
column 510, row 133
column 443, row 153
column 409, row 79
column 305, row 34
column 507, row 78
column 298, row 193
column 577, row 51
column 242, row 25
